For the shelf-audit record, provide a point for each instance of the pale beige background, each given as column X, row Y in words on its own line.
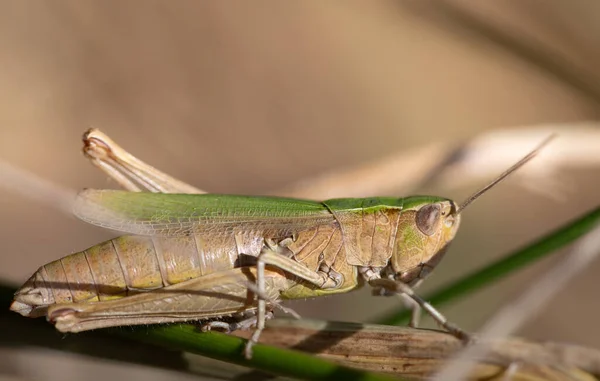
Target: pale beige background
column 246, row 97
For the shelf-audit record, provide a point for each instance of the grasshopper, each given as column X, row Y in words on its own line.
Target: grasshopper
column 227, row 260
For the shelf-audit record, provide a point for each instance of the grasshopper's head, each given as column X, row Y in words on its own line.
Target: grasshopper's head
column 427, row 226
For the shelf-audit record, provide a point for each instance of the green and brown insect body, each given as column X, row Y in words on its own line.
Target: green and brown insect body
column 195, row 256
column 360, row 237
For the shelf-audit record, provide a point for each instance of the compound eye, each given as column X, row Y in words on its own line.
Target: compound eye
column 427, row 218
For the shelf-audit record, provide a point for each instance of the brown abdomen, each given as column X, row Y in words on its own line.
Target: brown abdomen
column 130, row 264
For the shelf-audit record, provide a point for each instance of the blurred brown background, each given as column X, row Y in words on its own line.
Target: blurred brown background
column 247, row 97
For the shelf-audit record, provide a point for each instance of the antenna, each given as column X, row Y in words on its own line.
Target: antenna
column 505, row 174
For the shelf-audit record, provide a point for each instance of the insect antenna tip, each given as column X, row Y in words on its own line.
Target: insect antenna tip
column 506, row 173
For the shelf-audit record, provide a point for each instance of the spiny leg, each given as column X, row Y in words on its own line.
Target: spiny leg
column 407, row 301
column 439, row 318
column 261, row 311
column 218, row 325
column 275, row 303
column 269, row 257
column 415, row 310
column 128, row 171
column 227, row 327
column 436, row 315
column 289, row 265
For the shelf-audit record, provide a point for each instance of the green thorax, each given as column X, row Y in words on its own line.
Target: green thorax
column 369, row 225
column 378, row 203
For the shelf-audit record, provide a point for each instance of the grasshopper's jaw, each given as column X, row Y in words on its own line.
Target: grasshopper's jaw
column 422, row 240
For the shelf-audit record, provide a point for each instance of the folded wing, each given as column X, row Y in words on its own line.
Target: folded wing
column 173, row 215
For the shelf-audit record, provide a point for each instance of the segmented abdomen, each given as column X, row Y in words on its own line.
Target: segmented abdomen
column 130, row 264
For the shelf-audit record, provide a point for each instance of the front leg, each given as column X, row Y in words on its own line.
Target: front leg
column 415, row 309
column 373, row 278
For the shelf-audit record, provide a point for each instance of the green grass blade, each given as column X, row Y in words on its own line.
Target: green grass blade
column 505, row 266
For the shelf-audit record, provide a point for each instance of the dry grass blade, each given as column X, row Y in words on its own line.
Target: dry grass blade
column 447, row 166
column 417, row 353
column 34, row 187
column 574, row 148
column 399, row 172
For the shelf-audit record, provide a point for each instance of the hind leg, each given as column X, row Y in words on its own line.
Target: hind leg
column 244, row 322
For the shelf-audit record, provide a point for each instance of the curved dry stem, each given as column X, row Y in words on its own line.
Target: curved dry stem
column 449, row 166
column 417, row 353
